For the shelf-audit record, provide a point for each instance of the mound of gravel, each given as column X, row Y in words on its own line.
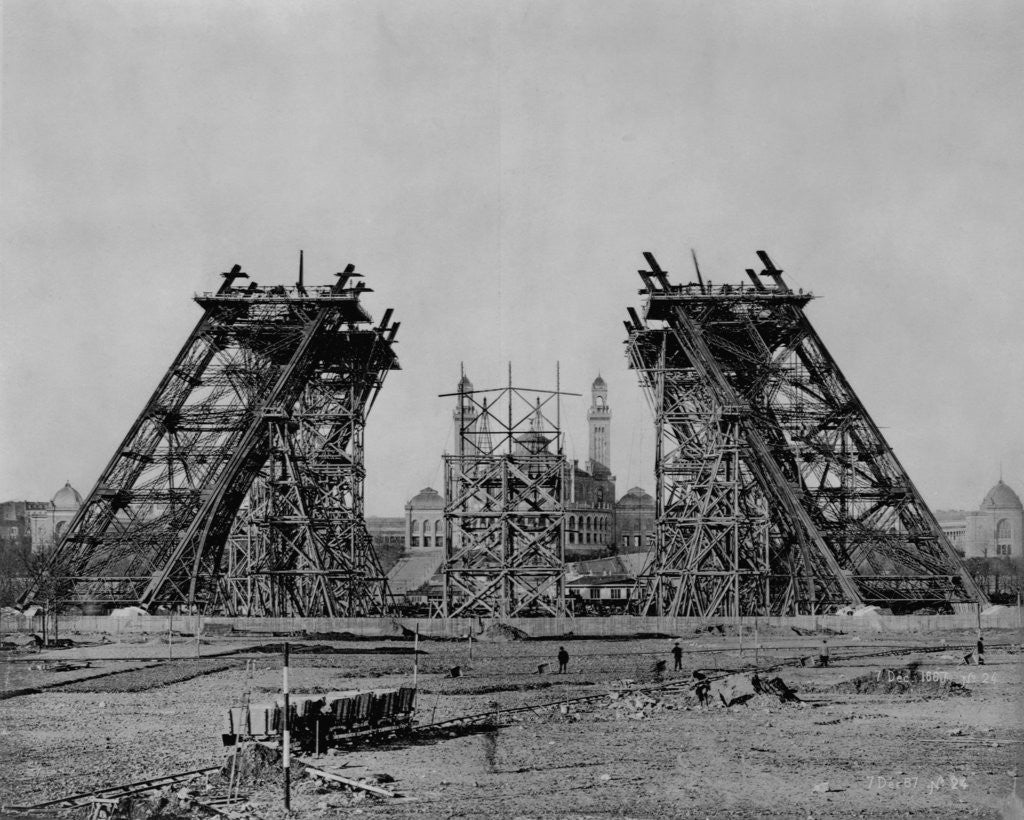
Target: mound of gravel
column 500, row 633
column 253, row 765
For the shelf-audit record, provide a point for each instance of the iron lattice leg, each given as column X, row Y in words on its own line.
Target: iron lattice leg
column 238, row 490
column 776, row 492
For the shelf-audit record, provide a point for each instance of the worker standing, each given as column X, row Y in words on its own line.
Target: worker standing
column 981, row 651
column 677, row 657
column 563, row 660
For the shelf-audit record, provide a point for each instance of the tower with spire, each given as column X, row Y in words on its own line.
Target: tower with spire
column 464, row 415
column 599, row 418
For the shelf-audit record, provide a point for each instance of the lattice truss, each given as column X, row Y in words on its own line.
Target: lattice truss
column 776, row 492
column 238, row 490
column 505, row 506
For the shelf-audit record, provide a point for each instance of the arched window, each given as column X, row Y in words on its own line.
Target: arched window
column 439, row 533
column 416, row 530
column 1004, row 537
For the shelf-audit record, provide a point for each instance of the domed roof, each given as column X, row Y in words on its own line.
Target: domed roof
column 1001, row 497
column 599, row 383
column 66, row 497
column 426, row 499
column 636, row 497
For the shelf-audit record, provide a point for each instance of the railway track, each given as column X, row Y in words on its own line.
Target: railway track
column 72, row 801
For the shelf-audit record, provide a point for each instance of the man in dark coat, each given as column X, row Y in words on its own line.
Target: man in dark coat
column 563, row 660
column 677, row 657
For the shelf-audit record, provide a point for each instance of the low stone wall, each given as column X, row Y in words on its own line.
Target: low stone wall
column 454, row 628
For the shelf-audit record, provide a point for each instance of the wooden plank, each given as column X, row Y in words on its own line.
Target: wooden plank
column 355, row 784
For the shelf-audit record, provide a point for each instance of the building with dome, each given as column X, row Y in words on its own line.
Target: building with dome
column 634, row 521
column 37, row 525
column 49, row 522
column 424, row 521
column 995, row 529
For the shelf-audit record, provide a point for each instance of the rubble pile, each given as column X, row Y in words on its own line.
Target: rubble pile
column 638, row 705
column 499, row 633
column 162, row 805
column 253, row 765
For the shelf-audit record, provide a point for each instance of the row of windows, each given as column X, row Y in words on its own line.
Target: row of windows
column 594, row 593
column 428, row 541
column 595, row 529
column 637, row 540
column 590, row 522
column 427, row 527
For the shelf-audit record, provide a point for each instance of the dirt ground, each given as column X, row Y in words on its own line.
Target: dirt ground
column 858, row 744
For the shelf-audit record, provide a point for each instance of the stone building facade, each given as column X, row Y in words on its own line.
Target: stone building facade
column 424, row 521
column 994, row 529
column 37, row 525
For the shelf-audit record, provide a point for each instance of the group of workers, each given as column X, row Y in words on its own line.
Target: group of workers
column 702, row 686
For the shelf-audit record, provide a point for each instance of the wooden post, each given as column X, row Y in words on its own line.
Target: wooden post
column 415, row 656
column 757, row 647
column 286, row 744
column 170, row 618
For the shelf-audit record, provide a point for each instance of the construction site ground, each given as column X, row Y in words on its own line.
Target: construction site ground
column 857, row 744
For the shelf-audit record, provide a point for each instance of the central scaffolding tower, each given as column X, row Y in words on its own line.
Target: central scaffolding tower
column 505, row 505
column 776, row 492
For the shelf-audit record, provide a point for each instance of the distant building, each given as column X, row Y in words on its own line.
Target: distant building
column 597, row 524
column 15, row 524
column 610, row 591
column 634, row 521
column 994, row 530
column 50, row 522
column 424, row 521
column 38, row 525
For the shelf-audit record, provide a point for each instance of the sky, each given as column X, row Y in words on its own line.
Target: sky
column 496, row 170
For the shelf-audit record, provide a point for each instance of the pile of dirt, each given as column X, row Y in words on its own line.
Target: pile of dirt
column 253, row 765
column 908, row 681
column 502, row 633
column 636, row 706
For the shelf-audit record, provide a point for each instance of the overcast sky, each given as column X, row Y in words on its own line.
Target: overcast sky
column 496, row 170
